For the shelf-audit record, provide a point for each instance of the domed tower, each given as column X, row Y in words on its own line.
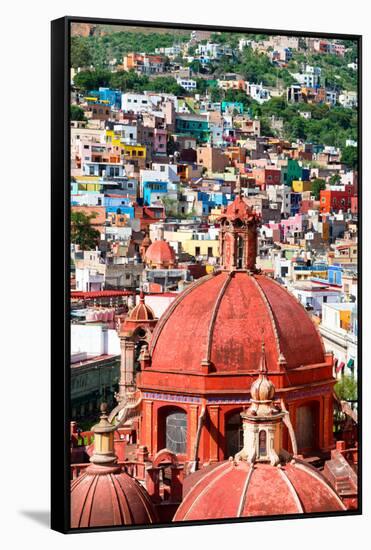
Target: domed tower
column 238, row 236
column 134, row 331
column 205, row 351
column 104, row 495
column 266, row 479
column 160, row 255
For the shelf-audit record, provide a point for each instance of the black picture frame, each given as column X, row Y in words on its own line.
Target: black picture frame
column 60, row 265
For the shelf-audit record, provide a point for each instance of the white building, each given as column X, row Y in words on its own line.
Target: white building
column 93, row 340
column 137, row 102
column 243, row 43
column 160, row 172
column 88, row 279
column 258, row 92
column 312, row 296
column 348, row 99
column 187, row 83
column 280, row 194
column 213, row 51
column 339, row 333
column 311, row 80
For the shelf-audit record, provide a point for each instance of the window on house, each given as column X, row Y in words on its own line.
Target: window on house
column 197, row 250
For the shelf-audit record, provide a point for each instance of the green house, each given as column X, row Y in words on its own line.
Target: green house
column 193, row 125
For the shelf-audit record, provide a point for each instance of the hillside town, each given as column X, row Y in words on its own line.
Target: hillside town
column 214, row 209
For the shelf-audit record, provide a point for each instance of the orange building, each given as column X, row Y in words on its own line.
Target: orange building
column 333, row 201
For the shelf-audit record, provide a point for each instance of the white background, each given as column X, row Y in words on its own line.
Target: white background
column 24, row 390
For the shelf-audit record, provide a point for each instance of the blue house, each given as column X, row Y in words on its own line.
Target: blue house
column 295, row 200
column 154, row 191
column 231, row 106
column 112, row 97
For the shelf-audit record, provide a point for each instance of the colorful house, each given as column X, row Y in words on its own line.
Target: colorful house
column 194, row 125
column 333, row 200
column 154, row 191
column 300, row 186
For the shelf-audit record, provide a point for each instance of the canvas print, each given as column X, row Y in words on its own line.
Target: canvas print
column 213, row 272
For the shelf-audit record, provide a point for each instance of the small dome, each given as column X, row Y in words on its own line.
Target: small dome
column 141, row 312
column 107, row 496
column 238, row 489
column 160, row 253
column 262, row 390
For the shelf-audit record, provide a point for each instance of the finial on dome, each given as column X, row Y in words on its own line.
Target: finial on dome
column 263, row 361
column 104, row 453
column 141, row 295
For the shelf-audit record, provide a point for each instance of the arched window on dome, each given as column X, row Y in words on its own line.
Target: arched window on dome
column 233, row 434
column 262, row 443
column 307, row 426
column 239, row 252
column 172, row 430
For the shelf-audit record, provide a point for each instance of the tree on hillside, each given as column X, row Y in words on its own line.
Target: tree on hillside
column 82, row 233
column 167, row 85
column 171, row 207
column 346, row 388
column 335, row 179
column 349, row 156
column 92, row 80
column 77, row 113
column 318, row 186
column 80, row 52
column 216, row 94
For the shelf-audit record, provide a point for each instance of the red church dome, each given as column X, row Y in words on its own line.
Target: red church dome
column 225, row 317
column 160, row 253
column 238, row 489
column 106, row 496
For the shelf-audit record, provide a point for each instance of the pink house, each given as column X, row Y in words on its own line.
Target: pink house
column 293, row 224
column 160, row 139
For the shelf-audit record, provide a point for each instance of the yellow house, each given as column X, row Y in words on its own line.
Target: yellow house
column 194, row 247
column 215, row 214
column 88, row 183
column 208, row 248
column 345, row 318
column 134, row 151
column 299, row 186
column 113, row 137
